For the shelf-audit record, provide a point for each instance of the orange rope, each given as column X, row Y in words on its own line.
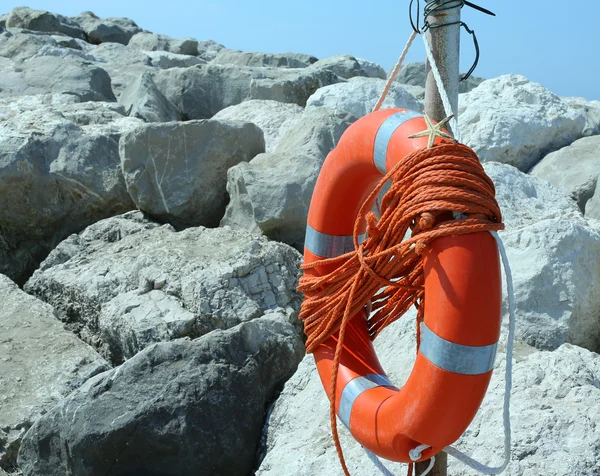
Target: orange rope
column 426, row 186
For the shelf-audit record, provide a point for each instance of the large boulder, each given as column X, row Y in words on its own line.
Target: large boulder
column 40, row 362
column 127, row 282
column 51, row 74
column 574, row 169
column 347, row 66
column 147, row 41
column 209, row 49
column 274, row 118
column 202, row 91
column 555, row 404
column 555, row 258
column 21, row 46
column 256, row 59
column 113, row 30
column 177, row 172
column 271, row 194
column 415, row 74
column 359, row 95
column 166, row 60
column 592, row 207
column 46, row 22
column 59, row 172
column 512, row 120
column 591, row 111
column 189, row 407
column 143, row 100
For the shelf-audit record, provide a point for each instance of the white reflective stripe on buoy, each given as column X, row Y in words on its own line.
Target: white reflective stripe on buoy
column 384, row 134
column 456, row 358
column 329, row 246
column 354, row 388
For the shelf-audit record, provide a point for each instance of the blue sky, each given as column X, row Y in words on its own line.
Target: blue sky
column 552, row 42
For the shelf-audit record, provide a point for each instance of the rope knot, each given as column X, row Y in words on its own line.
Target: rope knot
column 373, row 230
column 420, row 247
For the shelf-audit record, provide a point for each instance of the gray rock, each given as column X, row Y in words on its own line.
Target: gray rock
column 415, row 74
column 591, row 111
column 592, row 207
column 513, row 120
column 40, row 362
column 359, row 95
column 202, row 91
column 183, row 407
column 271, row 194
column 574, row 169
column 22, row 46
column 557, row 392
column 127, row 282
column 177, row 172
column 166, row 60
column 39, row 20
column 151, row 42
column 254, row 59
column 143, row 100
column 123, row 64
column 555, row 259
column 274, row 118
column 347, row 66
column 208, row 49
column 50, row 74
column 59, row 172
column 64, row 52
column 114, row 30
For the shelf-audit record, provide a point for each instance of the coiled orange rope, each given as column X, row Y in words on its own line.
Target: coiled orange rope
column 428, row 187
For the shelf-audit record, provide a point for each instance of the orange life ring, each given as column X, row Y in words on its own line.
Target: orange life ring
column 461, row 326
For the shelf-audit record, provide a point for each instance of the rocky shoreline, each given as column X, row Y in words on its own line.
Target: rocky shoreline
column 155, row 193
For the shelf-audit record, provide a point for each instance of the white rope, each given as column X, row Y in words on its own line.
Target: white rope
column 459, row 455
column 442, row 90
column 395, row 71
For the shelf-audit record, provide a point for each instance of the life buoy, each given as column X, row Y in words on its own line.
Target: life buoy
column 461, row 326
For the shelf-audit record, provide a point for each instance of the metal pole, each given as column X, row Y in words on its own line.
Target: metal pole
column 445, row 45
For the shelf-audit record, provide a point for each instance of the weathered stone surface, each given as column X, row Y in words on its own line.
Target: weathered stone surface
column 166, row 60
column 255, row 59
column 113, row 30
column 177, row 172
column 124, row 65
column 143, row 100
column 591, row 111
column 347, row 66
column 415, row 74
column 183, row 407
column 127, row 282
column 557, row 391
column 274, row 118
column 359, row 95
column 592, row 208
column 271, row 194
column 202, row 91
column 574, row 169
column 50, row 74
column 40, row 362
column 63, row 52
column 59, row 172
column 151, row 42
column 39, row 20
column 22, row 46
column 512, row 120
column 208, row 49
column 555, row 260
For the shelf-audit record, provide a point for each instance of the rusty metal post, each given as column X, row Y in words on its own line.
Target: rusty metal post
column 445, row 45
